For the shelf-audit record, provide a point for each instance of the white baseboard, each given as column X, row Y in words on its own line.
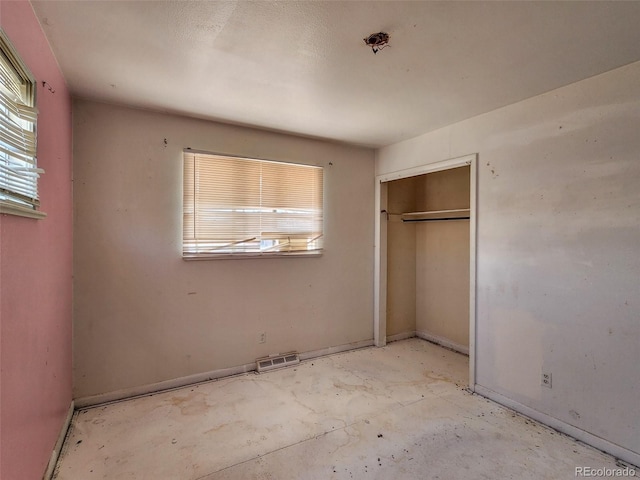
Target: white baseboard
column 180, row 382
column 337, row 349
column 126, row 393
column 400, row 336
column 617, row 451
column 445, row 342
column 51, row 466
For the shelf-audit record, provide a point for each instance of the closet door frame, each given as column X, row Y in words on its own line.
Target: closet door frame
column 380, row 250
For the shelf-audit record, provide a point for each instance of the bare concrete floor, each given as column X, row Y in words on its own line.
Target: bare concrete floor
column 398, row 412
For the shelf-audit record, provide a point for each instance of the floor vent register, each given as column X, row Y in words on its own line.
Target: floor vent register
column 277, row 361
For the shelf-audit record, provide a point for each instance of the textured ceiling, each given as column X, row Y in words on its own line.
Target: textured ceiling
column 302, row 67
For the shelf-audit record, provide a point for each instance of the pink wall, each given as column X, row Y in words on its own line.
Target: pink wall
column 35, row 275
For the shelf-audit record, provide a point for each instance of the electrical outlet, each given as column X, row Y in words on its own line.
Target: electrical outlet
column 546, row 379
column 262, row 338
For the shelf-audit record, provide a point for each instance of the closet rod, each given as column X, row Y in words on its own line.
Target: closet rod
column 444, row 219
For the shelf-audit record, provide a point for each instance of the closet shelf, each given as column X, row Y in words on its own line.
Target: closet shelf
column 436, row 215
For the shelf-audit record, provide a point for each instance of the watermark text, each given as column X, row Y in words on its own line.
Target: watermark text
column 605, row 472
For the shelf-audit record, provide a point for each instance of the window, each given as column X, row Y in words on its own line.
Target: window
column 246, row 207
column 18, row 115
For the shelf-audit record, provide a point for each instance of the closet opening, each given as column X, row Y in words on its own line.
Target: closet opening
column 425, row 256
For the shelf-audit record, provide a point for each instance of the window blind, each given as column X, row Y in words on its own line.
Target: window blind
column 247, row 206
column 18, row 116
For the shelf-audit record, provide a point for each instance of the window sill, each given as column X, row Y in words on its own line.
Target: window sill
column 12, row 209
column 239, row 256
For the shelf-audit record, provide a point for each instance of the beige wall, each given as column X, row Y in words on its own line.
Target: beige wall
column 442, row 281
column 443, row 190
column 401, row 259
column 558, row 229
column 143, row 315
column 442, row 258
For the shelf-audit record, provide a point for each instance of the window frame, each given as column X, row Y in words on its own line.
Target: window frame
column 18, row 205
column 313, row 253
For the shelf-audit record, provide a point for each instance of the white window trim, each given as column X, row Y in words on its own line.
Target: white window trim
column 7, row 207
column 240, row 256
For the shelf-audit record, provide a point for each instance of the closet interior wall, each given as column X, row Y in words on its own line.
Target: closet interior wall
column 401, row 258
column 428, row 261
